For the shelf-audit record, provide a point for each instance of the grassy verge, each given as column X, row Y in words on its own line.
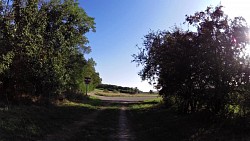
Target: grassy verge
column 147, row 104
column 113, row 94
column 24, row 123
column 150, row 121
column 104, row 128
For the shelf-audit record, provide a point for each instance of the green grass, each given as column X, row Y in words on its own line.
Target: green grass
column 24, row 123
column 147, row 104
column 149, row 120
column 104, row 128
column 33, row 122
column 115, row 94
column 156, row 100
column 91, row 102
column 154, row 122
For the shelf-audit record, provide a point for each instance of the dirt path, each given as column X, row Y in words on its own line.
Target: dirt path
column 124, row 133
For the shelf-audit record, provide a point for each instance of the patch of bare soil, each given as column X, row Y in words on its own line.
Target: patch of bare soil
column 124, row 133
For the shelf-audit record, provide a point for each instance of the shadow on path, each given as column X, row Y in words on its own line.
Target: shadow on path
column 124, row 132
column 95, row 120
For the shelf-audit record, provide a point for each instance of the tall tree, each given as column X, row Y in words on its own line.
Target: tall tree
column 42, row 46
column 202, row 69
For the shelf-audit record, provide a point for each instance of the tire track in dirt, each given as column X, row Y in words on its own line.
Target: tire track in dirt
column 124, row 132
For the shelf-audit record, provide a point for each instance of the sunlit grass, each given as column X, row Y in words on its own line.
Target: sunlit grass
column 85, row 105
column 115, row 94
column 146, row 104
column 156, row 100
column 141, row 106
column 91, row 102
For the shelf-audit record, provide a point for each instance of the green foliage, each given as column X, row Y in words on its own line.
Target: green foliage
column 42, row 46
column 119, row 88
column 6, row 61
column 89, row 71
column 202, row 70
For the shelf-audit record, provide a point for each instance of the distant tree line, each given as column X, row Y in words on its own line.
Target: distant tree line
column 202, row 70
column 120, row 89
column 42, row 47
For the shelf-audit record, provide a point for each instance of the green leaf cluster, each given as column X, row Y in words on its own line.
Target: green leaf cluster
column 206, row 69
column 115, row 88
column 42, row 47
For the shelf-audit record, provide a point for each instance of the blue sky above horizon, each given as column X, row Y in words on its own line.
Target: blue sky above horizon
column 122, row 24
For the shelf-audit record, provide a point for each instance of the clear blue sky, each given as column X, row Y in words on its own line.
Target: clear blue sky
column 121, row 25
